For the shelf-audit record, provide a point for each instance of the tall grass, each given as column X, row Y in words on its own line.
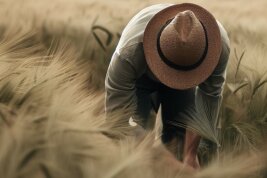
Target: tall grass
column 51, row 100
column 52, row 124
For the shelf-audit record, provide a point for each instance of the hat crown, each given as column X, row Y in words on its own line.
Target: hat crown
column 182, row 41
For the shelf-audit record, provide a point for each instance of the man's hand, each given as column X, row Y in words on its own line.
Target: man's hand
column 192, row 161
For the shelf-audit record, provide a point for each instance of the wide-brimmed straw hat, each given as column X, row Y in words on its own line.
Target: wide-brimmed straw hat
column 182, row 45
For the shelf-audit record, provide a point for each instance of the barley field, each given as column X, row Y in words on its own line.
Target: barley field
column 53, row 59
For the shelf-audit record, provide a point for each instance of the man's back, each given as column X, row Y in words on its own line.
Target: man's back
column 128, row 62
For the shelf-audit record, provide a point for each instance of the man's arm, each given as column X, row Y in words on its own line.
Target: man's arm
column 122, row 73
column 208, row 99
column 209, row 93
column 120, row 87
column 190, row 149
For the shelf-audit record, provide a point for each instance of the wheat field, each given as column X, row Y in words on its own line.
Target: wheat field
column 53, row 59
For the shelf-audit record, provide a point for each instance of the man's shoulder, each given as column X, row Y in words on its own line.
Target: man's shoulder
column 132, row 51
column 134, row 55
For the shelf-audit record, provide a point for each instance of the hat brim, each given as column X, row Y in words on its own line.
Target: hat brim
column 181, row 79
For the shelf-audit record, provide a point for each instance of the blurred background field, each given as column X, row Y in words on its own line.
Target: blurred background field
column 54, row 55
column 82, row 21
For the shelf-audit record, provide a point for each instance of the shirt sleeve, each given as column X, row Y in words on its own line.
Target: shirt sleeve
column 120, row 82
column 209, row 93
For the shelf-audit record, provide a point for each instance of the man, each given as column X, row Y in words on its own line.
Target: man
column 174, row 56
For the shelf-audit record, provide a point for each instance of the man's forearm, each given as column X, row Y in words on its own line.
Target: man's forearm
column 191, row 143
column 190, row 149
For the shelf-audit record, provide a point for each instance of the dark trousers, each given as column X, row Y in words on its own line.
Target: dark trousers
column 152, row 94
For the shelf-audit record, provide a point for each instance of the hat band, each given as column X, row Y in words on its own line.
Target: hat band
column 176, row 66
